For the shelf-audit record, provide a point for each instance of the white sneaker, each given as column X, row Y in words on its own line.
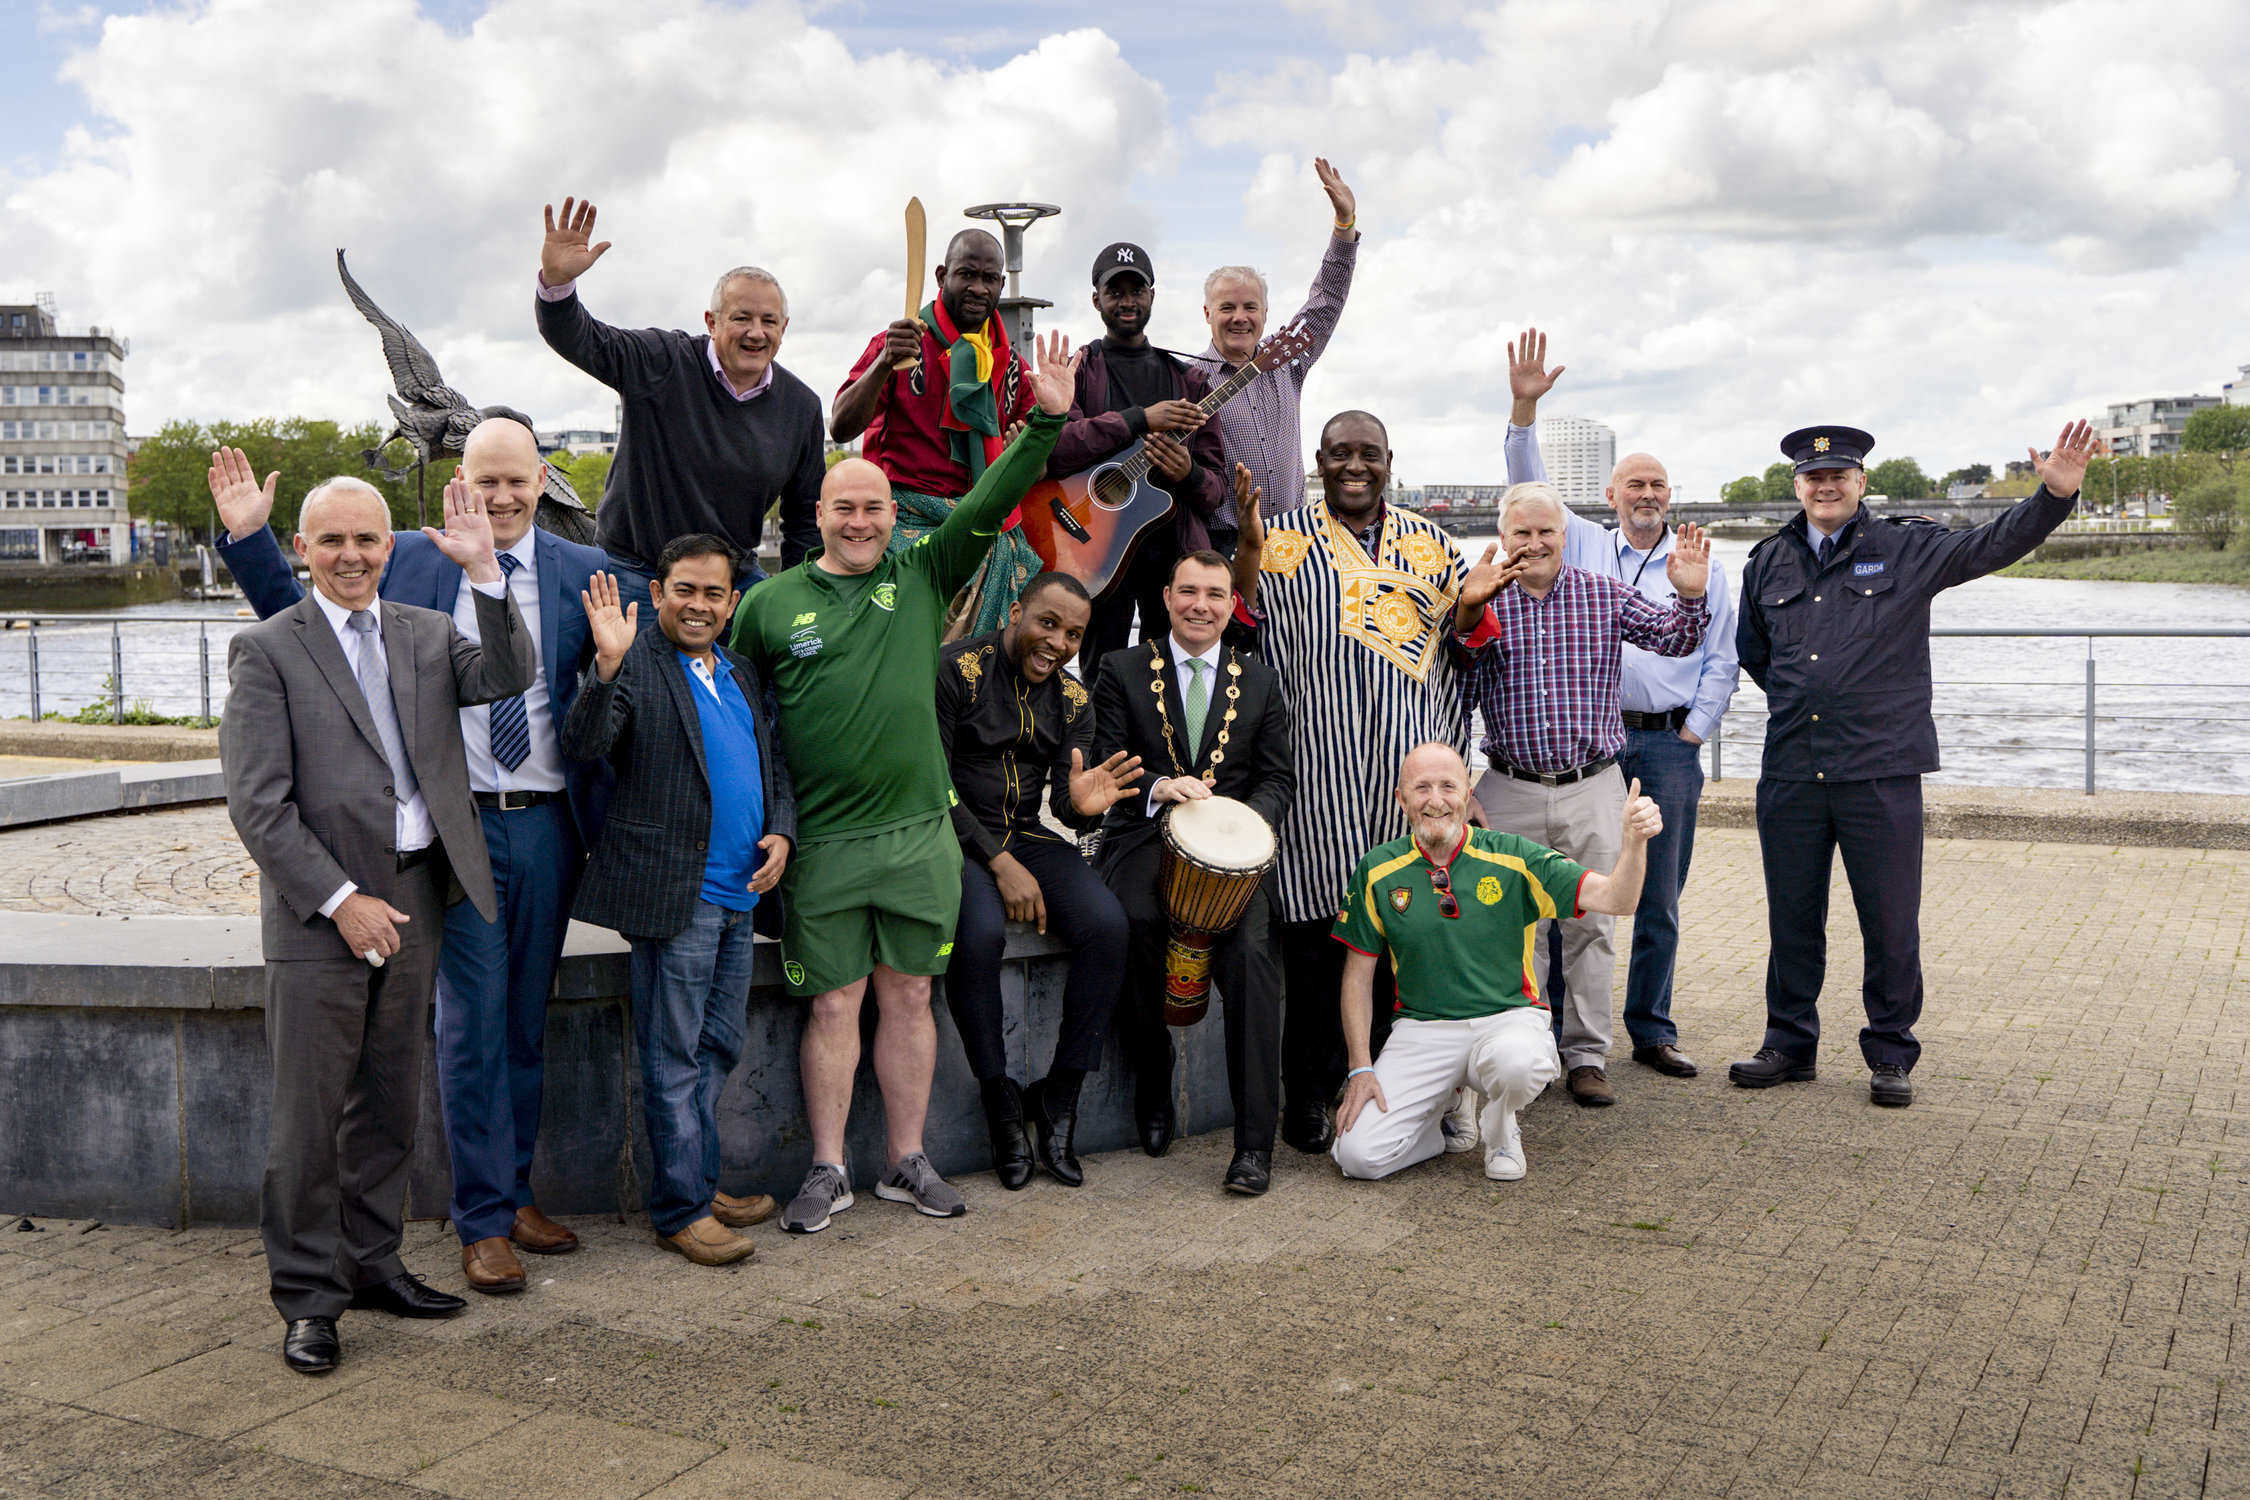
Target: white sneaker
column 1503, row 1159
column 1460, row 1122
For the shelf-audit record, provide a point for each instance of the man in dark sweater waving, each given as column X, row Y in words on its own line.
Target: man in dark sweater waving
column 713, row 430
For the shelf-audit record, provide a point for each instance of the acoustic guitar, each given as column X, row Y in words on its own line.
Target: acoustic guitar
column 1090, row 524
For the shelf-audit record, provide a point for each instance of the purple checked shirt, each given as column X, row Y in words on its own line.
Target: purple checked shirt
column 1545, row 671
column 1259, row 428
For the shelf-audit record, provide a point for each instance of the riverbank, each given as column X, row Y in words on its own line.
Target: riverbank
column 2179, row 565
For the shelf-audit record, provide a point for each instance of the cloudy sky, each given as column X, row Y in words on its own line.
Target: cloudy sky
column 1953, row 222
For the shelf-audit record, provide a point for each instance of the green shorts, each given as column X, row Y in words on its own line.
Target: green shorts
column 888, row 898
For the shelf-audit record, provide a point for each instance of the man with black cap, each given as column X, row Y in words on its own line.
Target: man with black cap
column 1129, row 390
column 1835, row 628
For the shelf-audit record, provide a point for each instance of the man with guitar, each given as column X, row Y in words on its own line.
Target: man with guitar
column 935, row 393
column 1129, row 391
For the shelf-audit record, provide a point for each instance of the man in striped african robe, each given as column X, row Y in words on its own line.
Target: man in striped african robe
column 1353, row 602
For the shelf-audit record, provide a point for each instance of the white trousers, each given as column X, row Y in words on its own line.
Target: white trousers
column 1508, row 1057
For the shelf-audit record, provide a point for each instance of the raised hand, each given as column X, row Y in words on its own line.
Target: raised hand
column 243, row 506
column 613, row 629
column 1055, row 382
column 1643, row 821
column 2063, row 468
column 565, row 254
column 1094, row 789
column 1339, row 196
column 1490, row 574
column 1689, row 566
column 1246, row 498
column 467, row 538
column 1528, row 375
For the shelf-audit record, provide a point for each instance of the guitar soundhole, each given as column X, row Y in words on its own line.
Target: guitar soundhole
column 1111, row 489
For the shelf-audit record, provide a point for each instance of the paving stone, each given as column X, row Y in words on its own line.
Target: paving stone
column 743, row 1471
column 386, row 1427
column 72, row 1360
column 554, row 1454
column 225, row 1392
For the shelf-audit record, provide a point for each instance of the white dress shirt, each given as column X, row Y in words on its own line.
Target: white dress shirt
column 412, row 825
column 1181, row 656
column 542, row 769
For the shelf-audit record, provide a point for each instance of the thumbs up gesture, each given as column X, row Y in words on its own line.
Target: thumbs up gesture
column 1642, row 819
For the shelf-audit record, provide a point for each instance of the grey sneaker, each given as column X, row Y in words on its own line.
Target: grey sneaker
column 827, row 1191
column 915, row 1181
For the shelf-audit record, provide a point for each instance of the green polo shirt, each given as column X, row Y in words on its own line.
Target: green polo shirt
column 1476, row 964
column 853, row 661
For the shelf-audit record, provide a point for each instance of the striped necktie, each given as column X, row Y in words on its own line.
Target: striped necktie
column 511, row 726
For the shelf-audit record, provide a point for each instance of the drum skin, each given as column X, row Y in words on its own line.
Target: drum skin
column 1216, row 853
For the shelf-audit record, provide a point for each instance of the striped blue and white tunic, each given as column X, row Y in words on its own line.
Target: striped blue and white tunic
column 1361, row 644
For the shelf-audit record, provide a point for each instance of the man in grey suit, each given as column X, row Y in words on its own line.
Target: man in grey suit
column 348, row 783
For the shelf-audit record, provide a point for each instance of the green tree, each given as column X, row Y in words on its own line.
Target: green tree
column 2222, row 431
column 588, row 473
column 1748, row 490
column 1969, row 474
column 2210, row 510
column 1779, row 486
column 1899, row 478
column 164, row 480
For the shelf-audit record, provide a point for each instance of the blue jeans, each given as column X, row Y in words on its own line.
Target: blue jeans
column 633, row 587
column 690, row 993
column 1671, row 772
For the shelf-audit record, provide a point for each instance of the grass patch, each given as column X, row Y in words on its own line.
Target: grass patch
column 2157, row 565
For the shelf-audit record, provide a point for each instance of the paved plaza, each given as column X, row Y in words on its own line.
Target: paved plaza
column 2030, row 1283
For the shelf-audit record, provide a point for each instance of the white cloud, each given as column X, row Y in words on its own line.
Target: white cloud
column 1951, row 223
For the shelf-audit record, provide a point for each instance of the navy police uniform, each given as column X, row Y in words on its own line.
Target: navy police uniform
column 1839, row 640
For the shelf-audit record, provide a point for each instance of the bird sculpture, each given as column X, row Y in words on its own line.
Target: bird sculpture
column 436, row 420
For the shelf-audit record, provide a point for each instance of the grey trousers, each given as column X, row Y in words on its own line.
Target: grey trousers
column 346, row 1041
column 1584, row 821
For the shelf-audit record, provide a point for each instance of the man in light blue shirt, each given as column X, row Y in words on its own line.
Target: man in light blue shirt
column 1671, row 705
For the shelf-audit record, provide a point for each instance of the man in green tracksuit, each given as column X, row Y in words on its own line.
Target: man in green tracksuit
column 849, row 640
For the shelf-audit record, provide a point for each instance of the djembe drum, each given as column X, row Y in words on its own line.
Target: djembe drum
column 1216, row 852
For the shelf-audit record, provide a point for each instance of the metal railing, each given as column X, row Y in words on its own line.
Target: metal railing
column 1747, row 727
column 2088, row 716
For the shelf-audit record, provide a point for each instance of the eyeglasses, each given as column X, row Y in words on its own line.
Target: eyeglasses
column 1441, row 881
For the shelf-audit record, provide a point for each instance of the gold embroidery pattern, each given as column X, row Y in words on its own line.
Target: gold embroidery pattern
column 1075, row 696
column 1396, row 612
column 1283, row 551
column 1395, row 615
column 971, row 664
column 1425, row 554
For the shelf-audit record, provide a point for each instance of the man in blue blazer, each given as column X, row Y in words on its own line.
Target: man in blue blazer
column 539, row 811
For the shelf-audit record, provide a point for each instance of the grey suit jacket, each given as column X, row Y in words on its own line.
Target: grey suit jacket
column 308, row 787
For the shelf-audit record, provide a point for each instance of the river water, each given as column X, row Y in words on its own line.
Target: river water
column 2171, row 714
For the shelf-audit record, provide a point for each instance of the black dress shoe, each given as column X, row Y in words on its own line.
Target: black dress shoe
column 1666, row 1059
column 1307, row 1128
column 311, row 1347
column 406, row 1296
column 1011, row 1148
column 1768, row 1068
column 1250, row 1173
column 1055, row 1126
column 1152, row 1110
column 1888, row 1086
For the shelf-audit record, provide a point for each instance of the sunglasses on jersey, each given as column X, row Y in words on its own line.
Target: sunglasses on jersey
column 1441, row 881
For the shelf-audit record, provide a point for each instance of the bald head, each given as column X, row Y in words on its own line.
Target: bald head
column 856, row 517
column 1641, row 494
column 1432, row 756
column 1433, row 791
column 971, row 240
column 501, row 462
column 342, row 502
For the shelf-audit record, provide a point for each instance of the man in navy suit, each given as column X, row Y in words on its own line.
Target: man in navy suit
column 539, row 812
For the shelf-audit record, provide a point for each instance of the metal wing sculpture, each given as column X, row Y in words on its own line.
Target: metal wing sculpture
column 435, row 419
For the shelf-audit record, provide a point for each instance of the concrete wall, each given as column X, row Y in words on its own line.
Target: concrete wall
column 135, row 1080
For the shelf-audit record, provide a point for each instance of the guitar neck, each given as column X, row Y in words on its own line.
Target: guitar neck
column 1219, row 395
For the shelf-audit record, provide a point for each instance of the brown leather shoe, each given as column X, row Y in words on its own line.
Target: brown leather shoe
column 535, row 1232
column 707, row 1242
column 1589, row 1085
column 1666, row 1059
column 741, row 1213
column 491, row 1266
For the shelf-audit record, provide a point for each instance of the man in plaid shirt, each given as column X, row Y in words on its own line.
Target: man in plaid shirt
column 1543, row 638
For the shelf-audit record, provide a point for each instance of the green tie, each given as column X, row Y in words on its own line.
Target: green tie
column 1198, row 703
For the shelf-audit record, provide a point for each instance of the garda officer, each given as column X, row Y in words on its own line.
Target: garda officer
column 1835, row 627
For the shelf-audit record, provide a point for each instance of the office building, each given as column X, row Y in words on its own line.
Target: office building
column 62, row 441
column 1580, row 453
column 2149, row 428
